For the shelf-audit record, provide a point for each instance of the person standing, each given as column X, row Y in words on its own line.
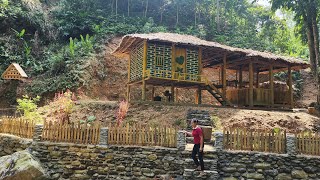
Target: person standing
column 198, row 145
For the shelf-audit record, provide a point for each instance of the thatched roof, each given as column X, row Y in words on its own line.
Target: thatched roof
column 212, row 51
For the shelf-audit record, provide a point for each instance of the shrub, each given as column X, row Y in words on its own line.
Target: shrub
column 61, row 107
column 122, row 112
column 28, row 107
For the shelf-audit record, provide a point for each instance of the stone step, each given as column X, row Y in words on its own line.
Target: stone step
column 190, row 174
column 209, row 164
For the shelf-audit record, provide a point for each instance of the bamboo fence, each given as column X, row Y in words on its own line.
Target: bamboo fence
column 140, row 135
column 17, row 126
column 308, row 143
column 71, row 133
column 263, row 141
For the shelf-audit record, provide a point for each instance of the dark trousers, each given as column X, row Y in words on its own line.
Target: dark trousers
column 195, row 151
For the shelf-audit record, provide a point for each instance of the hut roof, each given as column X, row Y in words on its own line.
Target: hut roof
column 14, row 71
column 130, row 41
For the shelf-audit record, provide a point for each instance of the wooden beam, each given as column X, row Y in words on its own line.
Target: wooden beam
column 224, row 76
column 172, row 93
column 257, row 79
column 251, row 84
column 128, row 93
column 291, row 102
column 129, row 67
column 145, row 48
column 173, row 56
column 271, row 85
column 199, row 96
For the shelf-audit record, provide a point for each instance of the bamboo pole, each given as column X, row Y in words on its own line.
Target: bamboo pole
column 271, row 85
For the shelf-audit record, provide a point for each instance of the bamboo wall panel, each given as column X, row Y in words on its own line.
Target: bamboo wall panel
column 159, row 53
column 136, row 63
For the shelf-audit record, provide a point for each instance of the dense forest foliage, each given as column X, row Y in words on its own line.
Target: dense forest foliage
column 53, row 39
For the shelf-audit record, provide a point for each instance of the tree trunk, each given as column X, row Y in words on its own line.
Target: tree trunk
column 128, row 8
column 116, row 7
column 112, row 5
column 177, row 20
column 309, row 31
column 195, row 14
column 218, row 15
column 316, row 45
column 146, row 11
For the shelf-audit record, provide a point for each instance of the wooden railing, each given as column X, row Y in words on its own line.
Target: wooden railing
column 17, row 126
column 142, row 135
column 242, row 139
column 72, row 133
column 308, row 143
column 176, row 76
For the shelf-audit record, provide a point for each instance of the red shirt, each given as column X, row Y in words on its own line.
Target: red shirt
column 196, row 133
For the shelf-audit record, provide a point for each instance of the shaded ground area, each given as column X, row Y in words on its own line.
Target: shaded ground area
column 160, row 115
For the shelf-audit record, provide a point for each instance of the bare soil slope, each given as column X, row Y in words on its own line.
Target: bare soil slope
column 309, row 93
column 160, row 115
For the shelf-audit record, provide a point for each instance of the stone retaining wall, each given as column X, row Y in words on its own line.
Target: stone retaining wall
column 253, row 165
column 74, row 161
column 10, row 144
column 100, row 162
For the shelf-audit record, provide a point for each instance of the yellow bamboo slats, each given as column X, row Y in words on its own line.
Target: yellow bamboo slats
column 18, row 127
column 71, row 133
column 141, row 135
column 308, row 143
column 242, row 139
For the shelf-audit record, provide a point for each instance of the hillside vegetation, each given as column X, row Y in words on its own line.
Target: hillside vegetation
column 61, row 43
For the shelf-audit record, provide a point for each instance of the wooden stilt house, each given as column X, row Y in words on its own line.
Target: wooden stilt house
column 177, row 61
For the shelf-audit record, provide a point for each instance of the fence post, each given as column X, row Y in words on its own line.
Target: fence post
column 218, row 144
column 291, row 144
column 103, row 136
column 37, row 134
column 181, row 140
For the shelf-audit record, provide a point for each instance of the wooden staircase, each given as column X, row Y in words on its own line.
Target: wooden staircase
column 215, row 92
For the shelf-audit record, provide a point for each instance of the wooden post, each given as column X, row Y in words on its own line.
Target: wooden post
column 224, row 76
column 176, row 98
column 250, row 84
column 128, row 93
column 271, row 85
column 257, row 79
column 153, row 93
column 200, row 60
column 173, row 61
column 240, row 78
column 290, row 88
column 145, row 44
column 172, row 93
column 199, row 96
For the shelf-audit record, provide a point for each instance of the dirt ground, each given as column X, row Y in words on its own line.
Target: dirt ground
column 309, row 89
column 160, row 115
